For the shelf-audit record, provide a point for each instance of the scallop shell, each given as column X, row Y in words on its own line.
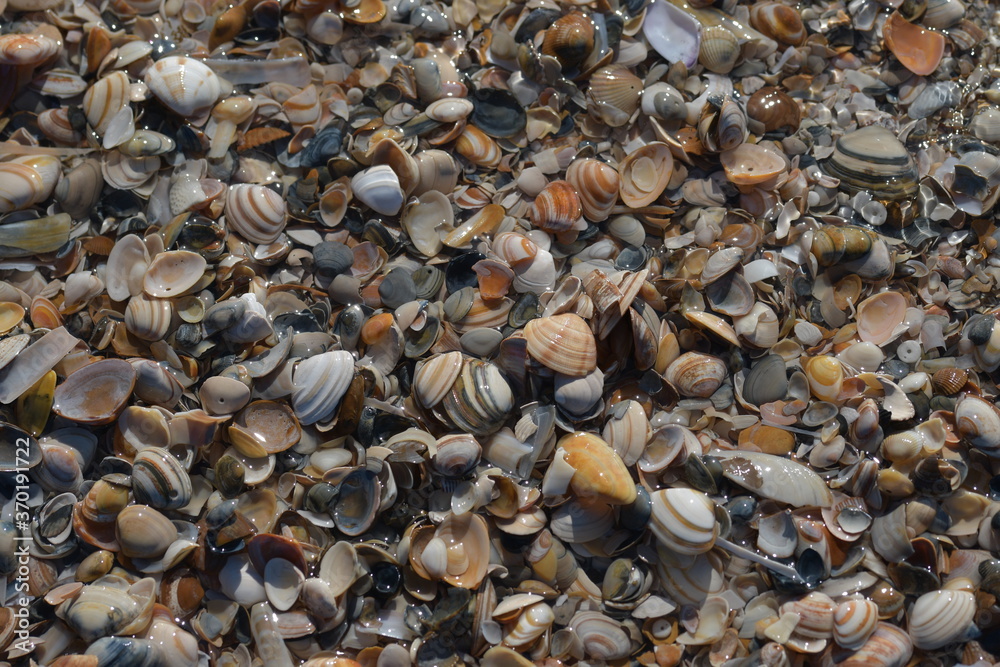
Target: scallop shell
column 872, row 158
column 556, row 208
column 719, row 49
column 683, row 520
column 378, row 188
column 645, row 173
column 696, row 375
column 941, row 617
column 779, row 22
column 854, row 622
column 185, row 85
column 776, row 478
column 255, row 212
column 563, row 343
column 597, row 184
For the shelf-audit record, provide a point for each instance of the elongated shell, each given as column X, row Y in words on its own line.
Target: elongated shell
column 684, row 520
column 255, row 212
column 776, row 478
column 184, row 85
column 597, row 185
column 941, row 617
column 26, row 49
column 563, row 343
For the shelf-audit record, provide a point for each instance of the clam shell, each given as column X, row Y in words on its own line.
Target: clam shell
column 96, row 393
column 979, row 422
column 477, row 148
column 683, row 520
column 104, row 99
column 774, row 109
column 597, row 184
column 888, row 646
column 173, row 273
column 617, row 86
column 480, row 399
column 854, row 622
column 563, row 343
column 318, row 384
column 159, row 480
column 26, row 49
column 143, row 532
column 379, row 189
column 603, row 638
column 673, row 33
column 872, row 158
column 570, row 39
column 599, row 473
column 719, row 49
column 148, row 318
column 458, row 554
column 80, row 189
column 917, row 49
column 184, row 85
column 556, row 208
column 696, row 374
column 940, row 618
column 435, row 376
column 255, row 212
column 779, row 22
column 645, row 173
column 751, row 164
column 776, row 478
column 27, row 180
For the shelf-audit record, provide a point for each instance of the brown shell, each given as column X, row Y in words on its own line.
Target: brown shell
column 570, row 39
column 949, row 381
column 618, row 86
column 775, row 109
column 597, row 185
column 556, row 208
column 779, row 22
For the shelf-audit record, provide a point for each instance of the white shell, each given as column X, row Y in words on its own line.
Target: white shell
column 319, row 383
column 255, row 212
column 939, row 618
column 104, row 99
column 378, row 188
column 27, row 180
column 776, row 478
column 684, row 520
column 185, row 85
column 854, row 622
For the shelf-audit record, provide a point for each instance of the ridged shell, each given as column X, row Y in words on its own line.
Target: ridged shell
column 719, row 49
column 872, row 158
column 645, row 173
column 563, row 343
column 104, row 99
column 255, row 212
column 779, row 22
column 597, row 184
column 185, row 85
column 941, row 617
column 618, row 86
column 854, row 622
column 570, row 39
column 776, row 478
column 696, row 375
column 379, row 189
column 683, row 520
column 556, row 208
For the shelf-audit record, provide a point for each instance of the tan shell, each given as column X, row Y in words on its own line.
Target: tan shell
column 185, row 85
column 173, row 273
column 719, row 49
column 563, row 343
column 597, row 184
column 696, row 374
column 618, row 86
column 255, row 212
column 645, row 173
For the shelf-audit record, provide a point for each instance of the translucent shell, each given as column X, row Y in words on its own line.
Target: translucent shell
column 563, row 343
column 917, row 49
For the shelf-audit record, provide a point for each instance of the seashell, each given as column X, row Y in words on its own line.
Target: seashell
column 255, row 212
column 159, row 480
column 917, row 49
column 265, row 427
column 577, row 396
column 597, row 185
column 223, row 395
column 480, row 399
column 143, row 532
column 563, row 343
column 458, row 553
column 879, row 316
column 854, row 621
column 872, row 158
column 434, row 377
column 570, row 39
column 173, row 273
column 378, row 188
column 683, row 520
column 673, row 33
column 941, row 617
column 449, row 109
column 779, row 22
column 602, row 637
column 556, row 208
column 437, row 171
column 498, row 113
column 888, row 646
column 357, row 505
column 719, row 49
column 663, row 101
column 775, row 477
column 696, row 375
column 96, row 393
column 949, row 381
column 826, row 377
column 979, row 422
column 598, row 472
column 318, row 384
column 532, row 623
column 775, row 109
column 27, row 180
column 55, row 124
column 617, row 86
column 645, row 173
column 184, row 85
column 148, row 318
column 476, row 147
column 943, row 14
column 751, row 164
column 104, row 99
column 26, row 49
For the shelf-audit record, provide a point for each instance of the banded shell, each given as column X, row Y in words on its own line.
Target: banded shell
column 570, row 39
column 872, row 158
column 683, row 520
column 618, row 87
column 854, row 622
column 378, row 188
column 563, row 343
column 645, row 173
column 556, row 208
column 696, row 375
column 480, row 399
column 888, row 646
column 184, row 85
column 941, row 617
column 318, row 384
column 979, row 422
column 255, row 212
column 719, row 49
column 104, row 99
column 597, row 184
column 27, row 180
column 26, row 49
column 159, row 480
column 779, row 22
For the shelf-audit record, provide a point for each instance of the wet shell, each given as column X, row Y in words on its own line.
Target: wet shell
column 776, row 478
column 143, row 532
column 96, row 393
column 26, row 49
column 779, row 22
column 570, row 39
column 684, row 520
column 617, row 86
column 917, row 49
column 696, row 374
column 104, row 99
column 480, row 399
column 477, row 148
column 556, row 208
column 159, row 480
column 173, row 273
column 645, row 173
column 775, row 109
column 185, row 85
column 872, row 158
column 318, row 384
column 751, row 164
column 459, row 551
column 719, row 49
column 563, row 343
column 378, row 188
column 27, row 180
column 599, row 473
column 940, row 618
column 889, row 646
column 879, row 316
column 148, row 318
column 255, row 212
column 979, row 422
column 603, row 638
column 854, row 622
column 597, row 184
column 435, row 377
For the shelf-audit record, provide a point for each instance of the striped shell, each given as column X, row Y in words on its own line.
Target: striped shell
column 570, row 39
column 596, row 184
column 719, row 49
column 683, row 520
column 27, row 180
column 645, row 173
column 159, row 480
column 148, row 318
column 872, row 158
column 979, row 422
column 618, row 87
column 318, row 384
column 379, row 189
column 435, row 377
column 185, row 85
column 941, row 617
column 779, row 22
column 480, row 399
column 888, row 646
column 255, row 212
column 854, row 622
column 30, row 49
column 563, row 343
column 477, row 148
column 104, row 99
column 815, row 612
column 695, row 374
column 556, row 208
